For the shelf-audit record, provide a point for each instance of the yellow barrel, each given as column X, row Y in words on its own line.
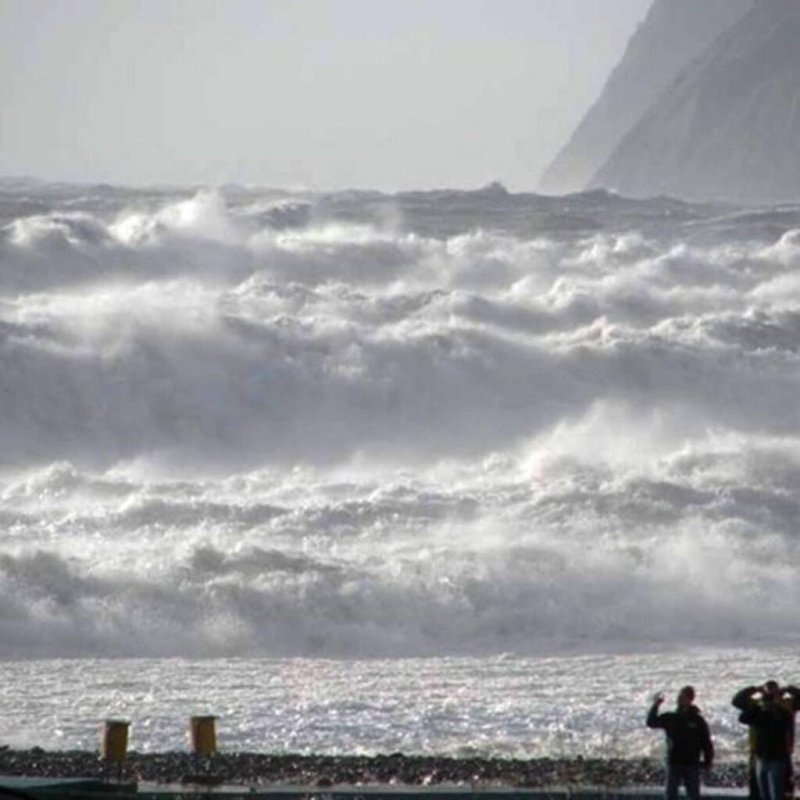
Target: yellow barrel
column 114, row 740
column 203, row 735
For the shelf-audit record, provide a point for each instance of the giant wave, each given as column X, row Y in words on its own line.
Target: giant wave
column 244, row 422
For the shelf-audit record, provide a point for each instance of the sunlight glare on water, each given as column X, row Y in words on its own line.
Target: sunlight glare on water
column 504, row 706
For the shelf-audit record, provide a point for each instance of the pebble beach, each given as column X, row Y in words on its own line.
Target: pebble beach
column 321, row 770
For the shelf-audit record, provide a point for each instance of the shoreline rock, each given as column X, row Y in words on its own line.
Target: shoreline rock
column 242, row 768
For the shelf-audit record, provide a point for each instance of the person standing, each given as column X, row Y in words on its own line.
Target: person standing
column 771, row 721
column 688, row 743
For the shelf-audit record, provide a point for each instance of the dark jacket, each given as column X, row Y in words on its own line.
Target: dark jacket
column 773, row 725
column 687, row 736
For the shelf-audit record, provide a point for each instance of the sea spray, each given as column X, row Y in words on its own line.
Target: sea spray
column 247, row 422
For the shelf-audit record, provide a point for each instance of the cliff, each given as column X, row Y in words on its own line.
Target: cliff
column 673, row 33
column 729, row 126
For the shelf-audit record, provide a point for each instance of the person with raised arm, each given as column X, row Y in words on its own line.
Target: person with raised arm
column 689, row 744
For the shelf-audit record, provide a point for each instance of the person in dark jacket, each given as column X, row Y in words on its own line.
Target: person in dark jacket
column 688, row 739
column 769, row 711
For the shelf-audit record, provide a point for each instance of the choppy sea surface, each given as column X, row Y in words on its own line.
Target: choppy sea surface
column 434, row 471
column 503, row 706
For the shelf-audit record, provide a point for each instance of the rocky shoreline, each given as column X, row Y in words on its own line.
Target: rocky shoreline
column 320, row 770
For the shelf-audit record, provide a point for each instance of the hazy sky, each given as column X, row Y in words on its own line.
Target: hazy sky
column 326, row 93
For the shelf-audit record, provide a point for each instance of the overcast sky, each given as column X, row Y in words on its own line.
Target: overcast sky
column 386, row 94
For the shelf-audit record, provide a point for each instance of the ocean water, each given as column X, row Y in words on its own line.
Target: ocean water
column 378, row 470
column 502, row 706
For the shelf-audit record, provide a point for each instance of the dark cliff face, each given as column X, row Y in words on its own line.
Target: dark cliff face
column 729, row 126
column 673, row 33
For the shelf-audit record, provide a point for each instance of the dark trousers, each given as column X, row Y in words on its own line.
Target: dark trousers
column 689, row 776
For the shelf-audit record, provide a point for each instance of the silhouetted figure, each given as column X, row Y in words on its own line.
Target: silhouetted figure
column 769, row 711
column 688, row 739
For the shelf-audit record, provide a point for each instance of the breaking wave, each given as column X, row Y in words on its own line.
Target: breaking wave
column 252, row 422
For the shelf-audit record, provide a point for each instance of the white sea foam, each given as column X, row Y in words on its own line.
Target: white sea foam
column 251, row 423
